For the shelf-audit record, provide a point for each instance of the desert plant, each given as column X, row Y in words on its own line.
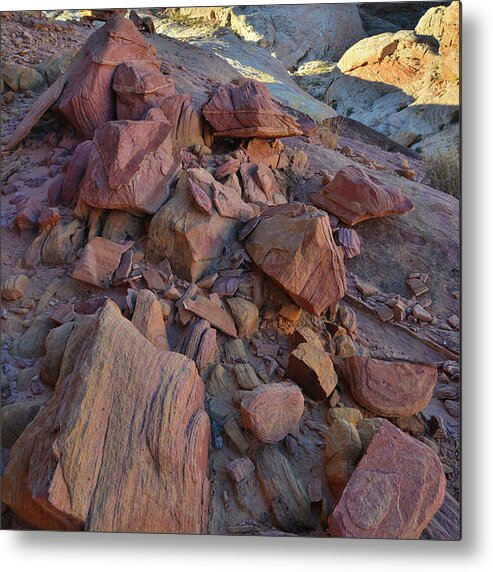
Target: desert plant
column 443, row 171
column 330, row 131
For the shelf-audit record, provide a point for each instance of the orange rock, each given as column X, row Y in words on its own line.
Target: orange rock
column 394, row 491
column 148, row 319
column 313, row 370
column 272, row 411
column 355, row 195
column 391, row 388
column 293, row 245
column 123, row 436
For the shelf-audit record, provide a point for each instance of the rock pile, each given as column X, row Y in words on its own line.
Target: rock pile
column 193, row 352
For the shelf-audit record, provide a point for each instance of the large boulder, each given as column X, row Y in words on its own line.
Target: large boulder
column 130, row 166
column 123, row 436
column 293, row 245
column 188, row 230
column 245, row 109
column 394, row 491
column 354, row 195
column 391, row 388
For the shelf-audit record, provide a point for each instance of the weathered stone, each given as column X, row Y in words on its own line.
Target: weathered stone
column 344, row 346
column 245, row 376
column 343, row 450
column 417, row 286
column 245, row 109
column 245, row 315
column 14, row 287
column 199, row 343
column 55, row 344
column 148, row 319
column 190, row 239
column 313, row 371
column 355, row 195
column 240, row 469
column 99, row 261
column 349, row 239
column 31, row 344
column 367, row 429
column 147, row 404
column 140, row 86
column 120, row 226
column 394, row 491
column 272, row 411
column 304, row 334
column 212, row 311
column 62, row 243
column 260, row 185
column 17, row 416
column 420, row 313
column 130, row 166
column 293, row 245
column 391, row 388
column 74, row 174
column 21, row 78
column 348, row 414
column 285, row 494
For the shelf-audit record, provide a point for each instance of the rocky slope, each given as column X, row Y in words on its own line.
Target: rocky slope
column 263, row 321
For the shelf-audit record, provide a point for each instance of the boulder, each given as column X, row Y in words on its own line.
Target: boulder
column 313, row 371
column 140, row 86
column 55, row 344
column 199, row 342
column 354, row 195
column 343, row 451
column 245, row 109
column 87, row 99
column 120, row 226
column 211, row 309
column 293, row 245
column 272, row 411
column 130, row 166
column 283, row 490
column 260, row 185
column 190, row 238
column 99, row 261
column 391, row 388
column 14, row 287
column 21, row 78
column 62, row 243
column 31, row 345
column 245, row 315
column 116, row 443
column 17, row 416
column 394, row 491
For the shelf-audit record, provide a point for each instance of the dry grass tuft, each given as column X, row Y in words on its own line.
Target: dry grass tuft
column 443, row 171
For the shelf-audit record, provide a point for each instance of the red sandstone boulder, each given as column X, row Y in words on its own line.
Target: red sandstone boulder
column 245, row 109
column 88, row 100
column 260, row 185
column 390, row 388
column 188, row 230
column 394, row 491
column 354, row 195
column 148, row 319
column 293, row 245
column 122, row 446
column 272, row 411
column 139, row 86
column 130, row 166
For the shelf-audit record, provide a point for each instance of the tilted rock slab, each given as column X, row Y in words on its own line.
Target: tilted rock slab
column 394, row 491
column 354, row 195
column 391, row 388
column 130, row 166
column 244, row 108
column 272, row 411
column 122, row 446
column 293, row 245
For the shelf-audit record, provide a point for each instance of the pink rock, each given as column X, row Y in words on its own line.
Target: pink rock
column 74, row 174
column 391, row 388
column 355, row 195
column 244, row 108
column 130, row 166
column 394, row 491
column 293, row 245
column 48, row 217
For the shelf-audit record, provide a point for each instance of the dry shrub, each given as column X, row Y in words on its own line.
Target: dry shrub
column 443, row 171
column 330, row 131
